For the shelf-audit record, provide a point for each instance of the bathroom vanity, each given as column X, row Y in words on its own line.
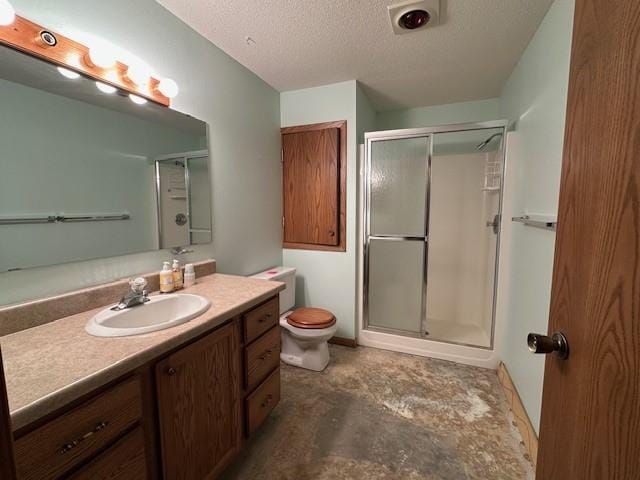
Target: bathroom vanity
column 176, row 403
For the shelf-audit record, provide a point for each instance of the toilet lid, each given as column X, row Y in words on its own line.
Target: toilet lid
column 311, row 318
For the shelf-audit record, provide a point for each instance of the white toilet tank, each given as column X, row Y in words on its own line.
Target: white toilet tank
column 286, row 275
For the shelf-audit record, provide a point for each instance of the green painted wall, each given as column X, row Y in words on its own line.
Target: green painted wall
column 535, row 99
column 328, row 279
column 366, row 116
column 463, row 112
column 243, row 114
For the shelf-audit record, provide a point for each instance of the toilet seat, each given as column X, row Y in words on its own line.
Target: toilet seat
column 311, row 318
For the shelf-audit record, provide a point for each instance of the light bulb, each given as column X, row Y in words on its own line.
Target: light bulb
column 65, row 72
column 168, row 88
column 138, row 74
column 137, row 100
column 105, row 88
column 101, row 56
column 7, row 13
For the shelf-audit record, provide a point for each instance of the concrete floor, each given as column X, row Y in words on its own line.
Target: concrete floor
column 375, row 415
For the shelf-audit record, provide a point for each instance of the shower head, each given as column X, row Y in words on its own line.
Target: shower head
column 481, row 146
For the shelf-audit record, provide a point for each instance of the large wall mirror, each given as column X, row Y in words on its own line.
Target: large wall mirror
column 87, row 173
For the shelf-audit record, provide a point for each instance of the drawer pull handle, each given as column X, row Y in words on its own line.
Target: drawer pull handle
column 266, row 355
column 265, row 318
column 171, row 371
column 267, row 401
column 70, row 446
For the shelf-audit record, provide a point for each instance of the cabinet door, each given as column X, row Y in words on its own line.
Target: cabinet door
column 313, row 186
column 7, row 466
column 199, row 406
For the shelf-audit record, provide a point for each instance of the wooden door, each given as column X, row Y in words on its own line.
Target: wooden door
column 590, row 427
column 199, row 406
column 313, row 186
column 7, row 460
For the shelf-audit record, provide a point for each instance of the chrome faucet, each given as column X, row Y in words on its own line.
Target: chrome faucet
column 137, row 295
column 181, row 250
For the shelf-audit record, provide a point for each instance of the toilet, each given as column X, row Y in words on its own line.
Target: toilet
column 305, row 331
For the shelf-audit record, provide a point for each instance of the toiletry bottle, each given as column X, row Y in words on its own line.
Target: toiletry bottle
column 189, row 275
column 177, row 275
column 166, row 278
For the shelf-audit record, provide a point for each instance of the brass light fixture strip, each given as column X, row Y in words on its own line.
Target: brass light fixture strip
column 26, row 36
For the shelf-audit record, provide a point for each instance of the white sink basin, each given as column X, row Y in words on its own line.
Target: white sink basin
column 162, row 311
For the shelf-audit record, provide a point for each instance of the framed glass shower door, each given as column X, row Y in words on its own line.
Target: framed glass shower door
column 431, row 232
column 397, row 193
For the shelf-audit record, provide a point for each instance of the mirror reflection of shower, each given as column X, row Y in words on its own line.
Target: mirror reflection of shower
column 183, row 199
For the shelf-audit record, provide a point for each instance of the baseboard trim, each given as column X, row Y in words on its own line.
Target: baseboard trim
column 345, row 342
column 529, row 437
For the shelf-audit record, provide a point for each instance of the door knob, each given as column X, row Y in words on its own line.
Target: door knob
column 556, row 343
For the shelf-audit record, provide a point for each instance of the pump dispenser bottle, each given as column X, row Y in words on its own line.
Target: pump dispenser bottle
column 177, row 275
column 166, row 278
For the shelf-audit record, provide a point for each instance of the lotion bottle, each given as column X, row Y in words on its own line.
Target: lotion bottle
column 166, row 278
column 189, row 275
column 177, row 275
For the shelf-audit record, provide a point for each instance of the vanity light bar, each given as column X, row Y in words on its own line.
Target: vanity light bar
column 96, row 62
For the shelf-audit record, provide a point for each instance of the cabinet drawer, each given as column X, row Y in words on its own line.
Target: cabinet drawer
column 124, row 460
column 262, row 401
column 74, row 436
column 261, row 319
column 262, row 357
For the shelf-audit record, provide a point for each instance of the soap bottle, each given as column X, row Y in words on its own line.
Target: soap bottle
column 189, row 275
column 166, row 278
column 177, row 275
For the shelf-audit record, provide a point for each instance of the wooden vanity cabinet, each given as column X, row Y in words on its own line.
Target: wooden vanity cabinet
column 261, row 354
column 125, row 460
column 181, row 416
column 199, row 407
column 65, row 442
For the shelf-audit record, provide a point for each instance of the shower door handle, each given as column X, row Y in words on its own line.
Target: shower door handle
column 495, row 224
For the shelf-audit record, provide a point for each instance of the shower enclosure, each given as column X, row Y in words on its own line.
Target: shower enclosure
column 183, row 199
column 431, row 233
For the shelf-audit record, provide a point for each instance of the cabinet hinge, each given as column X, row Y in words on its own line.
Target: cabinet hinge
column 282, row 222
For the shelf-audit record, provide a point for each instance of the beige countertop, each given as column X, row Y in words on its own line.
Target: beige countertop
column 53, row 364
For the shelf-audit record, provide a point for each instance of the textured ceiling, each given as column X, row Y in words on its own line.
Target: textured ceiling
column 306, row 43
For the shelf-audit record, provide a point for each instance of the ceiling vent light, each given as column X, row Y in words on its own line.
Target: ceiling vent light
column 414, row 19
column 414, row 15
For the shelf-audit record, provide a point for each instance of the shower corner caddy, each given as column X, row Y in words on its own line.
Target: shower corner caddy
column 492, row 175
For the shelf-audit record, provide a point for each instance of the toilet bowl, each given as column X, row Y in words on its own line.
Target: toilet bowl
column 305, row 331
column 305, row 344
